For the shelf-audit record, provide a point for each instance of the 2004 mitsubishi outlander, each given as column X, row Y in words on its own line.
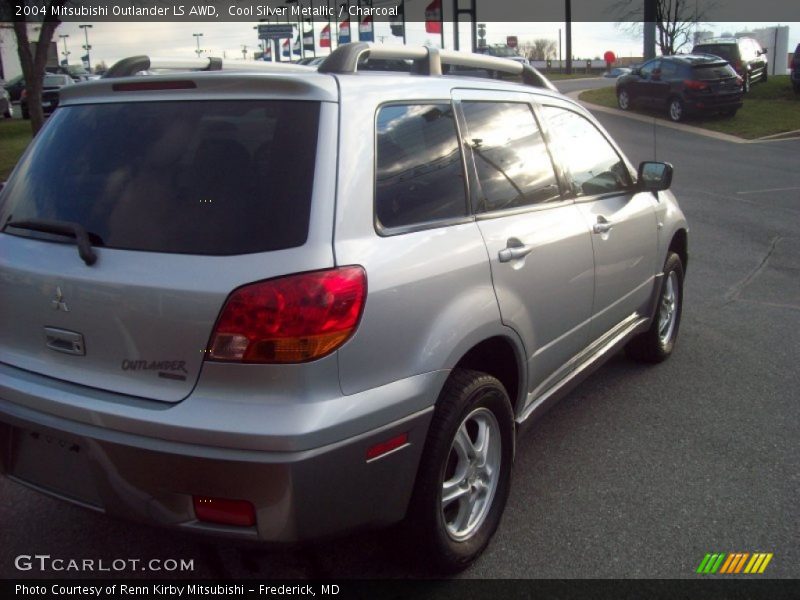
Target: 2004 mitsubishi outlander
column 281, row 303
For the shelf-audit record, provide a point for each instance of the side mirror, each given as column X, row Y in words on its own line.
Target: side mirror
column 655, row 176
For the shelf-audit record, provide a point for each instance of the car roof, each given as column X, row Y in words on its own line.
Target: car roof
column 695, row 59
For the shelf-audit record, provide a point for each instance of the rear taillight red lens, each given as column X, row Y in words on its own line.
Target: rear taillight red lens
column 692, row 84
column 24, row 94
column 291, row 319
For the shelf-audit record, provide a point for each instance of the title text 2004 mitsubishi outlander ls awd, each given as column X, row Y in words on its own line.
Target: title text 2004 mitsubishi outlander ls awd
column 289, row 303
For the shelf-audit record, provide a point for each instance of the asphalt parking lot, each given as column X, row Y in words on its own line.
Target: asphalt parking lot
column 640, row 471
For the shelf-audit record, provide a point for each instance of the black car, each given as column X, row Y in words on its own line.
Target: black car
column 50, row 94
column 796, row 70
column 682, row 85
column 744, row 54
column 14, row 87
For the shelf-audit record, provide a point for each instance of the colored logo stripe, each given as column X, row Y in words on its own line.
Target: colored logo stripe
column 734, row 563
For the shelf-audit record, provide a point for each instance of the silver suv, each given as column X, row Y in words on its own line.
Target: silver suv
column 280, row 303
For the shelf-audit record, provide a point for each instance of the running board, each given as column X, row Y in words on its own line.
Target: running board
column 594, row 358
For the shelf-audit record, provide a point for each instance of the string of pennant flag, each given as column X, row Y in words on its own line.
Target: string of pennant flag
column 366, row 31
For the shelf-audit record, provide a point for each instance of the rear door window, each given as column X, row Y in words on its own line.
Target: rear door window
column 511, row 159
column 419, row 176
column 200, row 177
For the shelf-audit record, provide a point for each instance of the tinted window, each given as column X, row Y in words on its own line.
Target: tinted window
column 713, row 72
column 670, row 70
column 199, row 177
column 511, row 159
column 594, row 165
column 419, row 175
column 647, row 68
column 724, row 51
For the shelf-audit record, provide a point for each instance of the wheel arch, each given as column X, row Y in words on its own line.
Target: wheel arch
column 679, row 244
column 503, row 358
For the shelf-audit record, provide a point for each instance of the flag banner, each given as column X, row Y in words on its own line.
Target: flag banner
column 344, row 32
column 433, row 17
column 296, row 47
column 366, row 32
column 325, row 37
column 286, row 50
column 85, row 60
column 396, row 21
column 308, row 38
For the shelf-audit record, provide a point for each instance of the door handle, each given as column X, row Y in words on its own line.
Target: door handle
column 514, row 249
column 603, row 225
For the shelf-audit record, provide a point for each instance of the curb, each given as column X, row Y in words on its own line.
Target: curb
column 725, row 137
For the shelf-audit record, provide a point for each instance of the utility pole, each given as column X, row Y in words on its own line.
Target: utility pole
column 87, row 47
column 197, row 37
column 649, row 29
column 66, row 52
column 568, row 19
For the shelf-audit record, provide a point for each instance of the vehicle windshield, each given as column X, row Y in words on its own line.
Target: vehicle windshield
column 55, row 80
column 200, row 177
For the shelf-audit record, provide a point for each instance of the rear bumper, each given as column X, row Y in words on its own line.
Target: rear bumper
column 297, row 495
column 713, row 103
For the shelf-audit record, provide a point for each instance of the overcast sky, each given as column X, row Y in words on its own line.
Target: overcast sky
column 112, row 41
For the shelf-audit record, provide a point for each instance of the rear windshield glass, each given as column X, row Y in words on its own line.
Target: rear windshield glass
column 200, row 177
column 714, row 72
column 725, row 51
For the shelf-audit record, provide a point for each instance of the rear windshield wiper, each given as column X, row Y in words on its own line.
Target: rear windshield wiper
column 67, row 228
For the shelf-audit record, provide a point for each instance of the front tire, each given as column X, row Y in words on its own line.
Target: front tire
column 657, row 343
column 675, row 110
column 624, row 100
column 465, row 473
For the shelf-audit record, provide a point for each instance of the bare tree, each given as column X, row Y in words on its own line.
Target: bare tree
column 675, row 20
column 541, row 49
column 33, row 63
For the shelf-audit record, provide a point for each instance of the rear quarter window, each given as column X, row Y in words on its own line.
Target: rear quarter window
column 419, row 174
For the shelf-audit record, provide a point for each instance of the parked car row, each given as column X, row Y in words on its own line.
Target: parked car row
column 51, row 88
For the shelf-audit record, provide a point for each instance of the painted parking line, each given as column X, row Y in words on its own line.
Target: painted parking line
column 789, row 189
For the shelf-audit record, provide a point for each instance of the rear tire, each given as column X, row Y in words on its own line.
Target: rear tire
column 657, row 343
column 465, row 472
column 676, row 110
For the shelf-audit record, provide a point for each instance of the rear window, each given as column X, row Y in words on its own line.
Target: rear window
column 201, row 177
column 713, row 72
column 726, row 51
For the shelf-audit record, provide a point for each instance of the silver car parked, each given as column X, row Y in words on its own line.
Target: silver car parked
column 279, row 303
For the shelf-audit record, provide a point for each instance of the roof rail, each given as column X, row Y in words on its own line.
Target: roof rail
column 428, row 61
column 135, row 64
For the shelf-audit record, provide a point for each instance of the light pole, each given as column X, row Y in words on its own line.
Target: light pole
column 197, row 37
column 66, row 52
column 87, row 47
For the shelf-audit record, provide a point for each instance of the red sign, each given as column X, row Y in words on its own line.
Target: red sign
column 511, row 41
column 609, row 57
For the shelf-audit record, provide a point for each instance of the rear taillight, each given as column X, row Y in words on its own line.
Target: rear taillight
column 291, row 319
column 737, row 66
column 692, row 84
column 24, row 94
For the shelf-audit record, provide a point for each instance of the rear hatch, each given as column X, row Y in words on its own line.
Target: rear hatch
column 719, row 77
column 183, row 201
